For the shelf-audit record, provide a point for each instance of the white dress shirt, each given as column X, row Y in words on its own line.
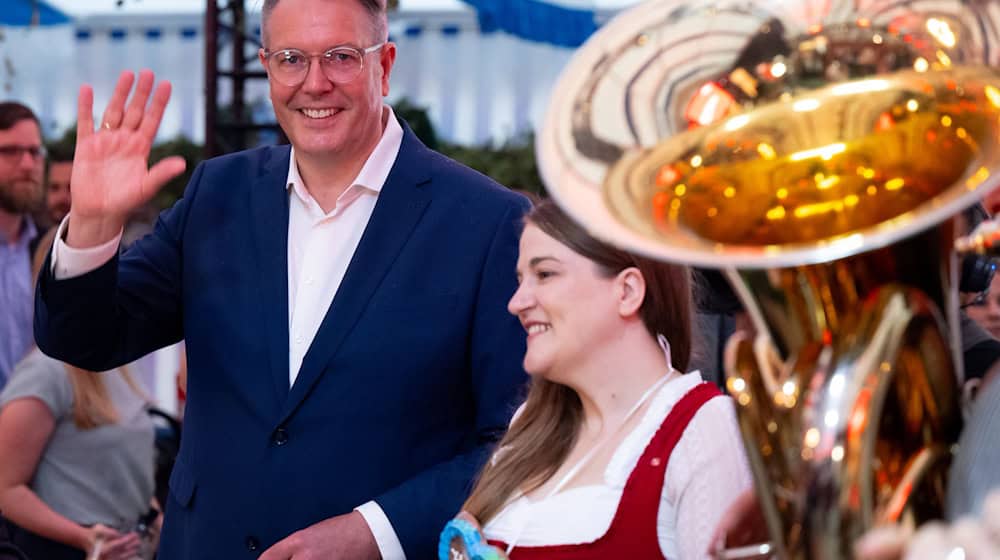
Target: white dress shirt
column 320, row 246
column 707, row 471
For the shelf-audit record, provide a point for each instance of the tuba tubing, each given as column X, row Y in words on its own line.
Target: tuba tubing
column 851, row 427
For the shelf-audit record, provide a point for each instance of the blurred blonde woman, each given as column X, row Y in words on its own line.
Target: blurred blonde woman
column 77, row 449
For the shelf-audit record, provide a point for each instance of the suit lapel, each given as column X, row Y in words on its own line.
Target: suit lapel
column 269, row 207
column 400, row 205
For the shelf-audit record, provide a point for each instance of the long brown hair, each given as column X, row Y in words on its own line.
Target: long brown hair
column 92, row 406
column 543, row 434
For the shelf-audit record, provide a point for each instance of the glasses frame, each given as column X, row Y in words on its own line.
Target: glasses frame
column 362, row 53
column 14, row 152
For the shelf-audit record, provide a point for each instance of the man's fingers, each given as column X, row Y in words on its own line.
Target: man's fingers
column 151, row 118
column 282, row 550
column 136, row 107
column 112, row 117
column 84, row 113
column 164, row 170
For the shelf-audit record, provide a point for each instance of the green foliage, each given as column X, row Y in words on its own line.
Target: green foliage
column 192, row 154
column 419, row 122
column 63, row 147
column 511, row 164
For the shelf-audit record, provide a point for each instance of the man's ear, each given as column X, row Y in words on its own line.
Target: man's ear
column 631, row 287
column 387, row 58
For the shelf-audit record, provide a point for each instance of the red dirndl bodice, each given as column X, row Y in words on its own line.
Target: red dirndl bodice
column 632, row 533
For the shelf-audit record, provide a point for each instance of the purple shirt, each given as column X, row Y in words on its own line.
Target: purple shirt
column 16, row 299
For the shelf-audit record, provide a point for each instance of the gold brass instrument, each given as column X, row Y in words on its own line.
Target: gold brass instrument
column 816, row 151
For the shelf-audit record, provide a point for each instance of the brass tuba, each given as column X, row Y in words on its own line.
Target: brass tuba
column 815, row 151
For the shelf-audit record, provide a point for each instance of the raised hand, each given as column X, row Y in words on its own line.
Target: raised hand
column 111, row 174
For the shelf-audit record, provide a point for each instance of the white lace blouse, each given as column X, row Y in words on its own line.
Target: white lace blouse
column 707, row 471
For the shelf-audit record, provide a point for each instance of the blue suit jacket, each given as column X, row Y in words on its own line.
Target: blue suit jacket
column 412, row 375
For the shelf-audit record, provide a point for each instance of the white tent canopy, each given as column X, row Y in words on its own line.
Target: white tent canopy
column 90, row 7
column 440, row 65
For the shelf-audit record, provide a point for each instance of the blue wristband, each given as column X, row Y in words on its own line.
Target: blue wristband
column 470, row 543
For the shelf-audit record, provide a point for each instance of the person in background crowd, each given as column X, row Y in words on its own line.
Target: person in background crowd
column 980, row 349
column 57, row 197
column 615, row 454
column 22, row 156
column 718, row 309
column 350, row 360
column 985, row 309
column 974, row 472
column 77, row 466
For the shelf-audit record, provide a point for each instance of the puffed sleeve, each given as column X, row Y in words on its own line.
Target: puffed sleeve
column 708, row 470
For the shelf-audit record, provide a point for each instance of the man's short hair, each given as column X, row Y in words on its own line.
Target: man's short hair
column 376, row 10
column 12, row 112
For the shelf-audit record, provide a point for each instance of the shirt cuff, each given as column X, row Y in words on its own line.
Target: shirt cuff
column 385, row 536
column 68, row 262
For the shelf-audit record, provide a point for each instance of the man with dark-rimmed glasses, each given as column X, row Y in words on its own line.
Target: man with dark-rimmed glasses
column 22, row 159
column 343, row 304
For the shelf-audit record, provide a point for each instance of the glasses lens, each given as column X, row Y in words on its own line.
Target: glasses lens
column 289, row 66
column 17, row 152
column 342, row 64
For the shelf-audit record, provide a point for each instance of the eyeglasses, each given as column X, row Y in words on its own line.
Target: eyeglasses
column 978, row 301
column 15, row 152
column 340, row 65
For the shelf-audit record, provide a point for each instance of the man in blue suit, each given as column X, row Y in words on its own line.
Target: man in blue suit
column 343, row 301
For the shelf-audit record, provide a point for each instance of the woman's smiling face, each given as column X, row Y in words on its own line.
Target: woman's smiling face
column 565, row 303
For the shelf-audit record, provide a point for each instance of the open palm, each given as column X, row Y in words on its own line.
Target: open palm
column 111, row 174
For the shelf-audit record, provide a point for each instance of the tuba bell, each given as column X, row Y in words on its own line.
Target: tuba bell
column 815, row 151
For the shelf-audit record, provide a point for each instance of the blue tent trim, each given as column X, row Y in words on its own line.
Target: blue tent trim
column 536, row 20
column 22, row 13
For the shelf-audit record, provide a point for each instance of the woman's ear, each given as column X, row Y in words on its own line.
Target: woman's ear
column 631, row 291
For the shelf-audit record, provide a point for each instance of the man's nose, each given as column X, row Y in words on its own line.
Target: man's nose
column 316, row 80
column 28, row 160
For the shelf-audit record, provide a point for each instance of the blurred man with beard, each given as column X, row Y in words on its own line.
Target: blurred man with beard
column 21, row 162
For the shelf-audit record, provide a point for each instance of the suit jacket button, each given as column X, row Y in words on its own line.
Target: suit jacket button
column 252, row 544
column 280, row 436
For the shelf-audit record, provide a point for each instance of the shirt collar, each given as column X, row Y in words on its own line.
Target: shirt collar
column 29, row 231
column 375, row 170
